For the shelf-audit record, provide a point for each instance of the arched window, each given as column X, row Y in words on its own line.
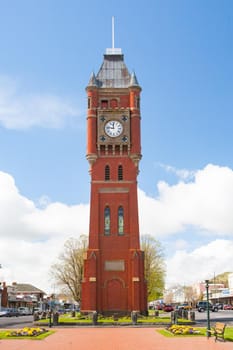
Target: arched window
column 107, row 173
column 113, row 103
column 120, row 221
column 120, row 172
column 104, row 103
column 107, row 221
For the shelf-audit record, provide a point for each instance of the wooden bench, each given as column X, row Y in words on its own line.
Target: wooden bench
column 218, row 330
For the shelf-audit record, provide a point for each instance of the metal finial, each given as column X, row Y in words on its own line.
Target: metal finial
column 113, row 50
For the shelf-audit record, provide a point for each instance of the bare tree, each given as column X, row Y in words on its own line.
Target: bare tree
column 68, row 271
column 190, row 295
column 169, row 298
column 154, row 266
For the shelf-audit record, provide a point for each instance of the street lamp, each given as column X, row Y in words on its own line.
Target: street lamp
column 0, row 292
column 208, row 333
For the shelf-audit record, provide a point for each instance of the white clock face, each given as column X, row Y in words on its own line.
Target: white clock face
column 113, row 128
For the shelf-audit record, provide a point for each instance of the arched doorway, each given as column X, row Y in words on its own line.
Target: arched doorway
column 116, row 295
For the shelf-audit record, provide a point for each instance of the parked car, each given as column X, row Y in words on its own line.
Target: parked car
column 202, row 306
column 24, row 311
column 185, row 306
column 159, row 306
column 10, row 312
column 168, row 308
column 3, row 313
column 219, row 305
column 227, row 307
column 37, row 310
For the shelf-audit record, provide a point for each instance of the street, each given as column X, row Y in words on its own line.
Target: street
column 225, row 316
column 16, row 322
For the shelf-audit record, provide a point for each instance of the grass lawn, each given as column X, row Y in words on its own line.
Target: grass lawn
column 229, row 333
column 228, row 336
column 80, row 319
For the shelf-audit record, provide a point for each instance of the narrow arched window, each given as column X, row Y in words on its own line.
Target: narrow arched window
column 107, row 173
column 120, row 221
column 120, row 172
column 107, row 221
column 104, row 103
column 138, row 102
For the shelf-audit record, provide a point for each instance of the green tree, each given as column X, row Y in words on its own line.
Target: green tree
column 221, row 278
column 154, row 266
column 68, row 271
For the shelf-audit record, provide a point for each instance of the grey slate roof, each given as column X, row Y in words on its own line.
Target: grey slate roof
column 113, row 73
column 28, row 288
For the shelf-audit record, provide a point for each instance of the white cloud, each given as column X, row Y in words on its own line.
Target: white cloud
column 205, row 204
column 19, row 216
column 13, row 207
column 29, row 262
column 59, row 219
column 201, row 263
column 32, row 238
column 23, row 111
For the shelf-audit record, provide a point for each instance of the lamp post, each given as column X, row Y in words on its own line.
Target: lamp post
column 208, row 308
column 0, row 292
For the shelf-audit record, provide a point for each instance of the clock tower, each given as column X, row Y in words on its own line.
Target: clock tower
column 113, row 279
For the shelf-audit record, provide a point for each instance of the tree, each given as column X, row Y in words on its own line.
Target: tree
column 190, row 295
column 154, row 267
column 221, row 278
column 68, row 271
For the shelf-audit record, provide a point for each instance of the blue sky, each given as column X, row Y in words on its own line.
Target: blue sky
column 182, row 54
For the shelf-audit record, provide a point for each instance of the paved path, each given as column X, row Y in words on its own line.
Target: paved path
column 113, row 339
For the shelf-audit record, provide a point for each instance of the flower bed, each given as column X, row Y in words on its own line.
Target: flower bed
column 26, row 332
column 183, row 330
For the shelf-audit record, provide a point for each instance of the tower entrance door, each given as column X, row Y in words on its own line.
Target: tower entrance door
column 115, row 296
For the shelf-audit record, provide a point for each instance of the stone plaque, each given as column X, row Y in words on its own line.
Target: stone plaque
column 92, row 279
column 135, row 279
column 114, row 265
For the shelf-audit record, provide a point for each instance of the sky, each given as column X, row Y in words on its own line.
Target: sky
column 182, row 54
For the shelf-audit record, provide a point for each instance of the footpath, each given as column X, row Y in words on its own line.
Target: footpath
column 113, row 338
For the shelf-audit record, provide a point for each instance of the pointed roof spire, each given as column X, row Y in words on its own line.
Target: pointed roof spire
column 113, row 50
column 113, row 72
column 93, row 80
column 133, row 80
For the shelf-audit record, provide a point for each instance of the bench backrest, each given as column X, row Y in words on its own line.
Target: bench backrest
column 220, row 326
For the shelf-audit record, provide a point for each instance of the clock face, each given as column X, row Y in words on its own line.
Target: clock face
column 113, row 128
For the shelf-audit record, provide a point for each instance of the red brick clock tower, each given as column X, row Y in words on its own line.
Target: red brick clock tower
column 114, row 264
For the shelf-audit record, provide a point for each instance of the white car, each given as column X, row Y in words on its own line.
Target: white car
column 24, row 311
column 3, row 313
